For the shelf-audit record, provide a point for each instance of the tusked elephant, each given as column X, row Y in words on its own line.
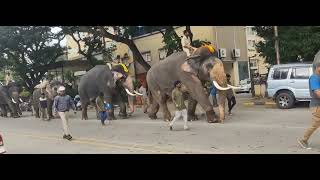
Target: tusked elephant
column 111, row 83
column 50, row 97
column 10, row 99
column 191, row 72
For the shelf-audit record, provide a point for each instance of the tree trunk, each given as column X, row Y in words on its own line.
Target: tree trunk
column 137, row 55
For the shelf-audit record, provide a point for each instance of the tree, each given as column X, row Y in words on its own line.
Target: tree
column 295, row 42
column 30, row 51
column 93, row 44
column 122, row 34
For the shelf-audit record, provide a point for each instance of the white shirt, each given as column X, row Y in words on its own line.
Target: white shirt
column 185, row 41
column 143, row 91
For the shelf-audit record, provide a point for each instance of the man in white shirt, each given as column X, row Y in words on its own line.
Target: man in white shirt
column 186, row 43
column 143, row 91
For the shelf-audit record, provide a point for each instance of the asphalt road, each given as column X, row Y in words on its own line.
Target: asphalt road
column 257, row 129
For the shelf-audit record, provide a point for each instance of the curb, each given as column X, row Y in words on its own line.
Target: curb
column 258, row 103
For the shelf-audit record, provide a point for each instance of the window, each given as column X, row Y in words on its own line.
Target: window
column 300, row 73
column 162, row 54
column 280, row 73
column 147, row 56
column 251, row 44
column 250, row 31
column 253, row 63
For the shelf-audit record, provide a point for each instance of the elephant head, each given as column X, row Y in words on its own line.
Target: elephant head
column 211, row 69
column 120, row 73
column 14, row 93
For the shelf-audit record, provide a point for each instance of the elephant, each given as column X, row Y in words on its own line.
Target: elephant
column 10, row 99
column 109, row 81
column 50, row 97
column 192, row 72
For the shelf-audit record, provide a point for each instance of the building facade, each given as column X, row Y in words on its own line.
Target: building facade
column 257, row 63
column 230, row 40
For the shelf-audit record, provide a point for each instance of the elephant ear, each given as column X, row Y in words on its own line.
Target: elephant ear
column 193, row 64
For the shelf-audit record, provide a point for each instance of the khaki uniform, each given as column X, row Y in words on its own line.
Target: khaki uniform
column 181, row 109
column 315, row 123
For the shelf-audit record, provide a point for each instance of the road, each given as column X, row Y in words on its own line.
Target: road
column 250, row 130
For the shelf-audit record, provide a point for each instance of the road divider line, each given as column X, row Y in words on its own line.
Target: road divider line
column 104, row 144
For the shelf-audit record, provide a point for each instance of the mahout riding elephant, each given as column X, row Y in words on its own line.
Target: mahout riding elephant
column 113, row 83
column 49, row 95
column 192, row 72
column 10, row 99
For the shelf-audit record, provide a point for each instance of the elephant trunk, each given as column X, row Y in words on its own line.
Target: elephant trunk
column 128, row 85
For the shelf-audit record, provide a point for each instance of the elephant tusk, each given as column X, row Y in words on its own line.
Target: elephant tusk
column 129, row 92
column 20, row 100
column 233, row 87
column 13, row 101
column 219, row 87
column 138, row 93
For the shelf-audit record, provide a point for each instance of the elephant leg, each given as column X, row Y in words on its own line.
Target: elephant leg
column 13, row 110
column 123, row 111
column 19, row 110
column 154, row 105
column 4, row 110
column 164, row 107
column 198, row 93
column 36, row 109
column 221, row 105
column 84, row 111
column 49, row 109
column 96, row 108
column 192, row 104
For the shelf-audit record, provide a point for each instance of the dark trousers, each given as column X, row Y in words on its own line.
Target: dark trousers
column 231, row 103
column 103, row 116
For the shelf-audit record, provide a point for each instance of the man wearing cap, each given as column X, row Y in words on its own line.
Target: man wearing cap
column 178, row 101
column 62, row 104
column 314, row 88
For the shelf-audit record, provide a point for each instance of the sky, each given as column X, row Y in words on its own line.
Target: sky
column 56, row 30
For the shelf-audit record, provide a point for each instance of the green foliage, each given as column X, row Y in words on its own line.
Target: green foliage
column 293, row 41
column 25, row 94
column 29, row 51
column 69, row 76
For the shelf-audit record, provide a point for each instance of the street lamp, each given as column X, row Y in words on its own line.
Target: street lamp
column 251, row 76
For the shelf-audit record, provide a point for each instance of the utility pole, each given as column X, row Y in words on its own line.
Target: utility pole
column 251, row 76
column 276, row 45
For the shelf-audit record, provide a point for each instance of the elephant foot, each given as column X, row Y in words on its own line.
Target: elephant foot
column 212, row 117
column 153, row 116
column 16, row 116
column 123, row 115
column 112, row 118
column 193, row 118
column 167, row 117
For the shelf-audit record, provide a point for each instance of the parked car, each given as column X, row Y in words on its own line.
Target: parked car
column 245, row 86
column 289, row 83
column 2, row 149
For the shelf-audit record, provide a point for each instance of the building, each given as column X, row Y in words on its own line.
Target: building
column 257, row 63
column 230, row 40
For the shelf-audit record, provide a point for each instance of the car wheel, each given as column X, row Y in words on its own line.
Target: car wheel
column 285, row 100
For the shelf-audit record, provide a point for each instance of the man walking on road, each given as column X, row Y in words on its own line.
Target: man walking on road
column 101, row 108
column 230, row 96
column 62, row 104
column 178, row 101
column 314, row 88
column 143, row 91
